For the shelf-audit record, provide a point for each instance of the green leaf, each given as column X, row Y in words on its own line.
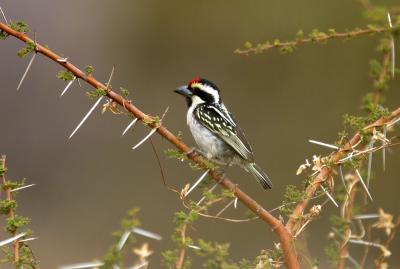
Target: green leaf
column 65, row 75
column 30, row 47
column 89, row 70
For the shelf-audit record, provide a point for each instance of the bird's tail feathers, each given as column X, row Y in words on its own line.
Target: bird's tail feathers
column 259, row 175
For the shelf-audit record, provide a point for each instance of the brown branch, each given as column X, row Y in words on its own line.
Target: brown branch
column 327, row 171
column 278, row 227
column 317, row 39
column 181, row 260
column 347, row 216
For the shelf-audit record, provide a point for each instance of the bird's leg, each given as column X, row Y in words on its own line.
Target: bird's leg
column 196, row 152
column 222, row 169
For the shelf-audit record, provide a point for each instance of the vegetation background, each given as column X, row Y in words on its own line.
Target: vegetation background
column 86, row 184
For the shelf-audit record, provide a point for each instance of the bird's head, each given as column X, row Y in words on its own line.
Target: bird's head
column 200, row 90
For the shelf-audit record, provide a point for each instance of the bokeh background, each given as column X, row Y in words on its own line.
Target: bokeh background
column 86, row 184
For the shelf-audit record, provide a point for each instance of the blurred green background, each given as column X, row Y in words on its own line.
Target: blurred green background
column 86, row 184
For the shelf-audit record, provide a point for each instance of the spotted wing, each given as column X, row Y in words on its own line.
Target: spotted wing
column 219, row 121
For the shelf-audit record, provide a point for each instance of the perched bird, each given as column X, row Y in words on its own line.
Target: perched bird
column 215, row 130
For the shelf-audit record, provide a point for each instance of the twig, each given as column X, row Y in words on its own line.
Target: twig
column 181, row 260
column 320, row 39
column 158, row 162
column 11, row 213
column 347, row 215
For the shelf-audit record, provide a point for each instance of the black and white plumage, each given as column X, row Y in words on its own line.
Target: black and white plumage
column 215, row 130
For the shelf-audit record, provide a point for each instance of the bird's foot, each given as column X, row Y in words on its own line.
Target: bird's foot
column 196, row 152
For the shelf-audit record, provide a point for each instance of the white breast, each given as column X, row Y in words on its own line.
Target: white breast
column 212, row 146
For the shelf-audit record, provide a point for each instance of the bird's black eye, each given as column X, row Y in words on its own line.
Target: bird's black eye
column 205, row 96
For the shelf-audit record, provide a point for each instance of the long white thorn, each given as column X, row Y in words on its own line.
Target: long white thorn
column 123, row 239
column 201, row 178
column 67, row 87
column 23, row 187
column 151, row 132
column 363, row 184
column 12, row 239
column 146, row 233
column 354, row 262
column 26, row 70
column 343, row 181
column 145, row 138
column 82, row 265
column 350, row 156
column 393, row 122
column 329, row 196
column 194, row 247
column 371, row 145
column 86, row 116
column 225, row 208
column 129, row 126
column 29, row 239
column 367, row 216
column 211, row 190
column 384, row 149
column 366, row 243
column 323, row 144
column 236, row 202
column 4, row 15
column 95, row 105
column 392, row 46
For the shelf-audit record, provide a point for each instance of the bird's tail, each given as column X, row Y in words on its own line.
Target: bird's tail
column 259, row 174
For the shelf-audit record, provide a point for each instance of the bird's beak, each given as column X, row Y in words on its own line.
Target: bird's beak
column 183, row 90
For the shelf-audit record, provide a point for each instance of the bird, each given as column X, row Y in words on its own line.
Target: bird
column 216, row 132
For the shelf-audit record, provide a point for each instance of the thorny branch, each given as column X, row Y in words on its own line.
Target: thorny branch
column 316, row 37
column 277, row 226
column 11, row 214
column 326, row 172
